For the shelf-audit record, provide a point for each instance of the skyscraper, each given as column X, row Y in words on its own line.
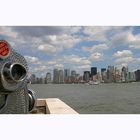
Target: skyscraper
column 131, row 77
column 86, row 76
column 117, row 75
column 33, row 79
column 48, row 78
column 73, row 73
column 137, row 73
column 103, row 70
column 103, row 74
column 66, row 75
column 61, row 76
column 56, row 76
column 73, row 76
column 110, row 74
column 124, row 74
column 67, row 78
column 93, row 71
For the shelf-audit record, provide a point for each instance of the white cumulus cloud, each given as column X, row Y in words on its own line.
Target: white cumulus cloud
column 49, row 49
column 75, row 59
column 57, row 43
column 123, row 53
column 95, row 48
column 124, row 59
column 96, row 33
column 96, row 56
column 31, row 59
column 65, row 40
column 121, row 38
column 7, row 31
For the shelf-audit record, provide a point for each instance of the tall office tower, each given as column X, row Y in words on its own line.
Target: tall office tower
column 137, row 73
column 56, row 76
column 93, row 71
column 33, row 79
column 73, row 73
column 86, row 76
column 48, row 78
column 134, row 76
column 73, row 76
column 44, row 80
column 37, row 80
column 103, row 74
column 103, row 70
column 124, row 74
column 110, row 74
column 81, row 79
column 99, row 77
column 61, row 76
column 131, row 77
column 77, row 78
column 66, row 75
column 117, row 75
column 40, row 80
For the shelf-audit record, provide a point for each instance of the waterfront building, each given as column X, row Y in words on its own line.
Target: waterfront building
column 117, row 75
column 137, row 74
column 110, row 74
column 97, row 77
column 77, row 79
column 86, row 76
column 73, row 76
column 103, row 70
column 41, row 80
column 93, row 71
column 73, row 73
column 131, row 77
column 103, row 75
column 61, row 77
column 124, row 74
column 38, row 80
column 33, row 79
column 81, row 79
column 48, row 78
column 66, row 75
column 56, row 76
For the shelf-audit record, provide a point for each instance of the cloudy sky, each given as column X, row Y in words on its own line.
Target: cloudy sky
column 76, row 47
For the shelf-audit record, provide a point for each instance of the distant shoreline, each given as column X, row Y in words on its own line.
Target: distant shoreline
column 82, row 83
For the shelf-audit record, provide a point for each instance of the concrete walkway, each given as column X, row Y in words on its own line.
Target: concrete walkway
column 52, row 106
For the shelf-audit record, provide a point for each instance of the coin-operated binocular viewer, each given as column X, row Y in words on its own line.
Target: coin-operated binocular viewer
column 15, row 97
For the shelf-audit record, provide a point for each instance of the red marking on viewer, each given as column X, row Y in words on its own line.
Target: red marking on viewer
column 4, row 49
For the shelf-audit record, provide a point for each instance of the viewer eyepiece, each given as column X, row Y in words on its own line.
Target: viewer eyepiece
column 14, row 72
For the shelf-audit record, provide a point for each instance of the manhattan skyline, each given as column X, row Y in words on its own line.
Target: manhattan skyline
column 76, row 47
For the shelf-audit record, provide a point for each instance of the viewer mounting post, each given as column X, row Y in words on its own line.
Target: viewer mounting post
column 15, row 97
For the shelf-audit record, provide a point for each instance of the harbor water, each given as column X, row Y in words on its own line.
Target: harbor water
column 123, row 98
